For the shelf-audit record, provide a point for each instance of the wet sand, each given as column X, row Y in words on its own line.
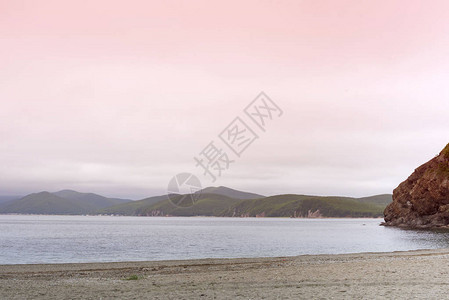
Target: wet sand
column 398, row 275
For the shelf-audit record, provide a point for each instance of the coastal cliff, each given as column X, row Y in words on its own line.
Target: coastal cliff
column 422, row 201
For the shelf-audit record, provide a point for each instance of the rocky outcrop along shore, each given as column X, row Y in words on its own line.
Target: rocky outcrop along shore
column 422, row 201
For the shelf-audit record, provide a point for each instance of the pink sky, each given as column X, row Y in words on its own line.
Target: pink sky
column 115, row 97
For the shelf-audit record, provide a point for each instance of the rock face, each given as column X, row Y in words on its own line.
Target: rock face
column 422, row 201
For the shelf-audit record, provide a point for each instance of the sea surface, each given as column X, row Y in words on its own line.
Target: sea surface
column 67, row 239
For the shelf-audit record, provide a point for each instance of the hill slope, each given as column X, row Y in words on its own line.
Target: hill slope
column 205, row 205
column 304, row 206
column 131, row 208
column 274, row 206
column 62, row 202
column 382, row 200
column 145, row 206
column 4, row 199
column 213, row 201
column 95, row 200
column 42, row 203
column 231, row 193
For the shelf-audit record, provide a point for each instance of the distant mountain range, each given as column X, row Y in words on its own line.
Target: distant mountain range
column 274, row 206
column 66, row 202
column 211, row 201
column 142, row 207
column 8, row 198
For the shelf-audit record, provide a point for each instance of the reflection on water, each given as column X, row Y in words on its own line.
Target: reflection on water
column 426, row 238
column 57, row 239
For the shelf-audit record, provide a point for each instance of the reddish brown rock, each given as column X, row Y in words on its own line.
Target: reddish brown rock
column 422, row 201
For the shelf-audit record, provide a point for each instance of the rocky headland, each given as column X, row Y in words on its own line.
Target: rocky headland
column 422, row 201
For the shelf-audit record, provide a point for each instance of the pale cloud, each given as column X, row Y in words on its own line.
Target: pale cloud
column 116, row 98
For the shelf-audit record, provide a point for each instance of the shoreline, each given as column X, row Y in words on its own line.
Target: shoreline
column 363, row 275
column 215, row 260
column 239, row 217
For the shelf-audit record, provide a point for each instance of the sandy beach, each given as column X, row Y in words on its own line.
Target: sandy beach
column 398, row 275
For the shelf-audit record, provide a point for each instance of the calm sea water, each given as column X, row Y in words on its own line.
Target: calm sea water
column 63, row 239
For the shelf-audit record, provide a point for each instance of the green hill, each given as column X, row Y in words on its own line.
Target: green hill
column 213, row 201
column 62, row 202
column 208, row 205
column 304, row 206
column 131, row 208
column 42, row 203
column 382, row 200
column 231, row 193
column 205, row 205
column 95, row 201
column 274, row 206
